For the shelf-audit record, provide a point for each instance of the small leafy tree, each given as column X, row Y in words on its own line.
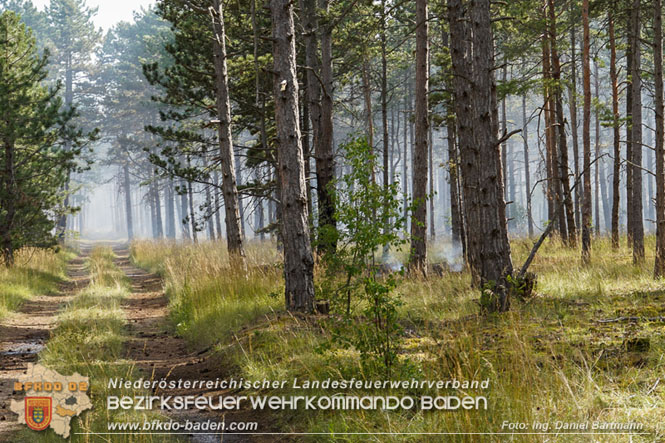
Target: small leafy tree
column 354, row 278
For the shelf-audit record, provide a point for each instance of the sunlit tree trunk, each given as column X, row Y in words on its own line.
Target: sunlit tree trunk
column 325, row 162
column 563, row 170
column 418, row 260
column 484, row 204
column 616, row 136
column 636, row 210
column 586, row 138
column 298, row 260
column 572, row 93
column 659, row 265
column 234, row 236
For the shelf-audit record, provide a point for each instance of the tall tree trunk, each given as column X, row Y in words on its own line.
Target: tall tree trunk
column 563, row 171
column 629, row 136
column 384, row 121
column 527, row 177
column 369, row 114
column 210, row 219
column 192, row 214
column 418, row 260
column 596, row 155
column 616, row 171
column 325, row 162
column 61, row 228
column 659, row 264
column 504, row 150
column 572, row 93
column 128, row 201
column 431, row 180
column 550, row 157
column 184, row 210
column 456, row 219
column 586, row 138
column 218, row 218
column 605, row 197
column 319, row 98
column 229, row 188
column 405, row 158
column 298, row 260
column 460, row 130
column 157, row 207
column 484, row 204
column 169, row 209
column 636, row 132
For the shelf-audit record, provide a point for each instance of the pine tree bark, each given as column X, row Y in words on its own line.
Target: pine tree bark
column 192, row 213
column 562, row 150
column 616, row 171
column 184, row 205
column 384, row 119
column 405, row 158
column 234, row 236
column 418, row 260
column 596, row 165
column 169, row 209
column 659, row 265
column 128, row 201
column 325, row 164
column 61, row 228
column 586, row 138
column 636, row 210
column 550, row 141
column 319, row 83
column 298, row 260
column 527, row 177
column 488, row 246
column 629, row 136
column 572, row 93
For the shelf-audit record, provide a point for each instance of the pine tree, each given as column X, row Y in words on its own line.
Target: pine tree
column 73, row 38
column 34, row 131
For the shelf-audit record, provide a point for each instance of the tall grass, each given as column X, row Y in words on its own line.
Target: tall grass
column 36, row 272
column 208, row 300
column 550, row 359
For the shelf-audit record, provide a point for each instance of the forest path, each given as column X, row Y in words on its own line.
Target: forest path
column 24, row 334
column 162, row 355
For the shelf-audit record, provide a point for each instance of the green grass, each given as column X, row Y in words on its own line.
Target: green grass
column 37, row 272
column 208, row 301
column 547, row 360
column 89, row 339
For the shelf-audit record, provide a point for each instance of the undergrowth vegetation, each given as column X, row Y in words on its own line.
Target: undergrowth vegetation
column 37, row 272
column 588, row 347
column 89, row 339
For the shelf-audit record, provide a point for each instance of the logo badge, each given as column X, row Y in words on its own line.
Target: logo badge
column 38, row 412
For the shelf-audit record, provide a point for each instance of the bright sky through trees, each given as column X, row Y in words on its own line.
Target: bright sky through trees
column 110, row 12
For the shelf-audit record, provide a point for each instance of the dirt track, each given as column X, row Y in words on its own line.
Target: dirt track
column 160, row 354
column 151, row 345
column 24, row 334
